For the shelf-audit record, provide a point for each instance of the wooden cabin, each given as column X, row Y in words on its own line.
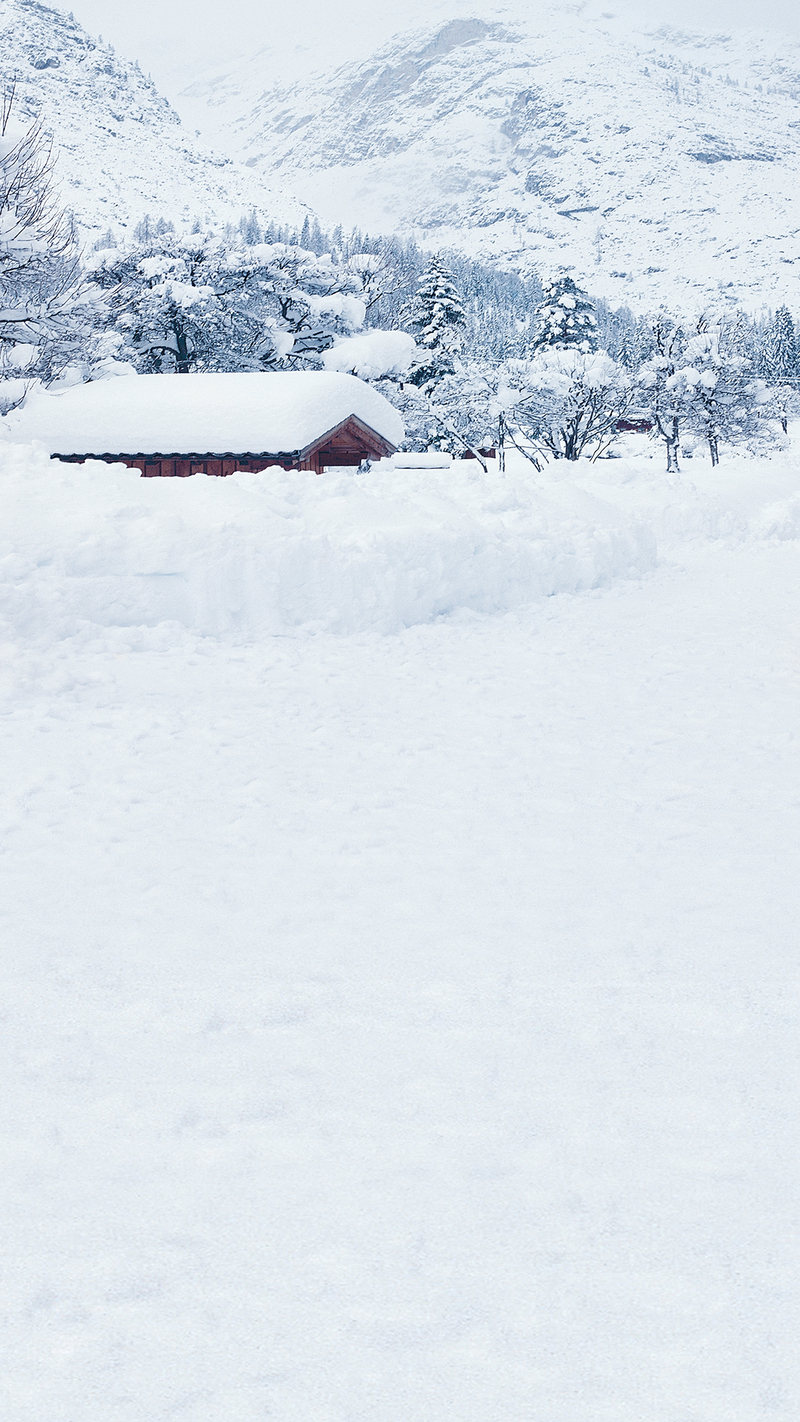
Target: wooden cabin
column 174, row 426
column 349, row 443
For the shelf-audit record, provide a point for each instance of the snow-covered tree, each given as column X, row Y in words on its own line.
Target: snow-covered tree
column 560, row 405
column 456, row 414
column 436, row 318
column 201, row 302
column 661, row 385
column 779, row 362
column 565, row 403
column 703, row 383
column 43, row 301
column 722, row 399
column 382, row 275
column 565, row 318
column 780, row 366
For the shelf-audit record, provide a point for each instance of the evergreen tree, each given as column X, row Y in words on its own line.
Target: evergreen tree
column 779, row 352
column 565, row 318
column 779, row 364
column 436, row 317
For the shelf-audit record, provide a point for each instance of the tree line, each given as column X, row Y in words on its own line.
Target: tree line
column 500, row 358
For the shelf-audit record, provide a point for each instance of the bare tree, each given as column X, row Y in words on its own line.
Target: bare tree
column 42, row 295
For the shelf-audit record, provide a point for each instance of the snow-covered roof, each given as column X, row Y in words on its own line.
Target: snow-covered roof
column 196, row 414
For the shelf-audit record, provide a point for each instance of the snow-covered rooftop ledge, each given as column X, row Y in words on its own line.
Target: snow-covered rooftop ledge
column 219, row 415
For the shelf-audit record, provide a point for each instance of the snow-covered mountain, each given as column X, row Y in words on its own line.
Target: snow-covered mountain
column 122, row 149
column 655, row 164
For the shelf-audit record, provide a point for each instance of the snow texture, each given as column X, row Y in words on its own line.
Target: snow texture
column 400, row 1026
column 411, row 460
column 254, row 555
column 372, row 354
column 195, row 414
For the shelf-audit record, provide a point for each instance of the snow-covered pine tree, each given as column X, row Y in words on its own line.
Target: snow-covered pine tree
column 436, row 318
column 779, row 364
column 779, row 352
column 565, row 318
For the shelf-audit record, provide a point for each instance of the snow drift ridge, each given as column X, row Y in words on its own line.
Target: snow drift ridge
column 259, row 554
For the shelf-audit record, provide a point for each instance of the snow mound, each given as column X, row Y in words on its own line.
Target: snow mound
column 780, row 520
column 260, row 554
column 411, row 460
column 372, row 354
column 745, row 498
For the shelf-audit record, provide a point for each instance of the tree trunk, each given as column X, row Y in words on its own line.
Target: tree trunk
column 501, row 445
column 183, row 360
column 673, row 446
column 714, row 449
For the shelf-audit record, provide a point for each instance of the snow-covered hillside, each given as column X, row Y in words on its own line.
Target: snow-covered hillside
column 658, row 165
column 122, row 149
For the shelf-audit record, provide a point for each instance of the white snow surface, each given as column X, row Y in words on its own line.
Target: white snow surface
column 400, row 983
column 205, row 413
column 261, row 554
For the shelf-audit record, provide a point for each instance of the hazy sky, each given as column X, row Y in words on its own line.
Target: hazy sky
column 179, row 39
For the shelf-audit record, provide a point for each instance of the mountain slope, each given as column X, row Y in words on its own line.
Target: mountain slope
column 122, row 150
column 656, row 165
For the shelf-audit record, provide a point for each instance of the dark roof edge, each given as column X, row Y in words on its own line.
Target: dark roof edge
column 159, row 454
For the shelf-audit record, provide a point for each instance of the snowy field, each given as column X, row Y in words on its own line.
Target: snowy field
column 400, row 890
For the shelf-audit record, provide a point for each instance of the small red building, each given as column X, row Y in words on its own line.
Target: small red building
column 179, row 425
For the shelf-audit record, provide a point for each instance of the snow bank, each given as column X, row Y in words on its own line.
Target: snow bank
column 743, row 498
column 258, row 554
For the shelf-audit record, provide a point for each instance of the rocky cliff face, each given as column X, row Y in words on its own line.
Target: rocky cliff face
column 656, row 165
column 122, row 149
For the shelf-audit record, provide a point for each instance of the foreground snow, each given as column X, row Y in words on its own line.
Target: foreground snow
column 401, row 1024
